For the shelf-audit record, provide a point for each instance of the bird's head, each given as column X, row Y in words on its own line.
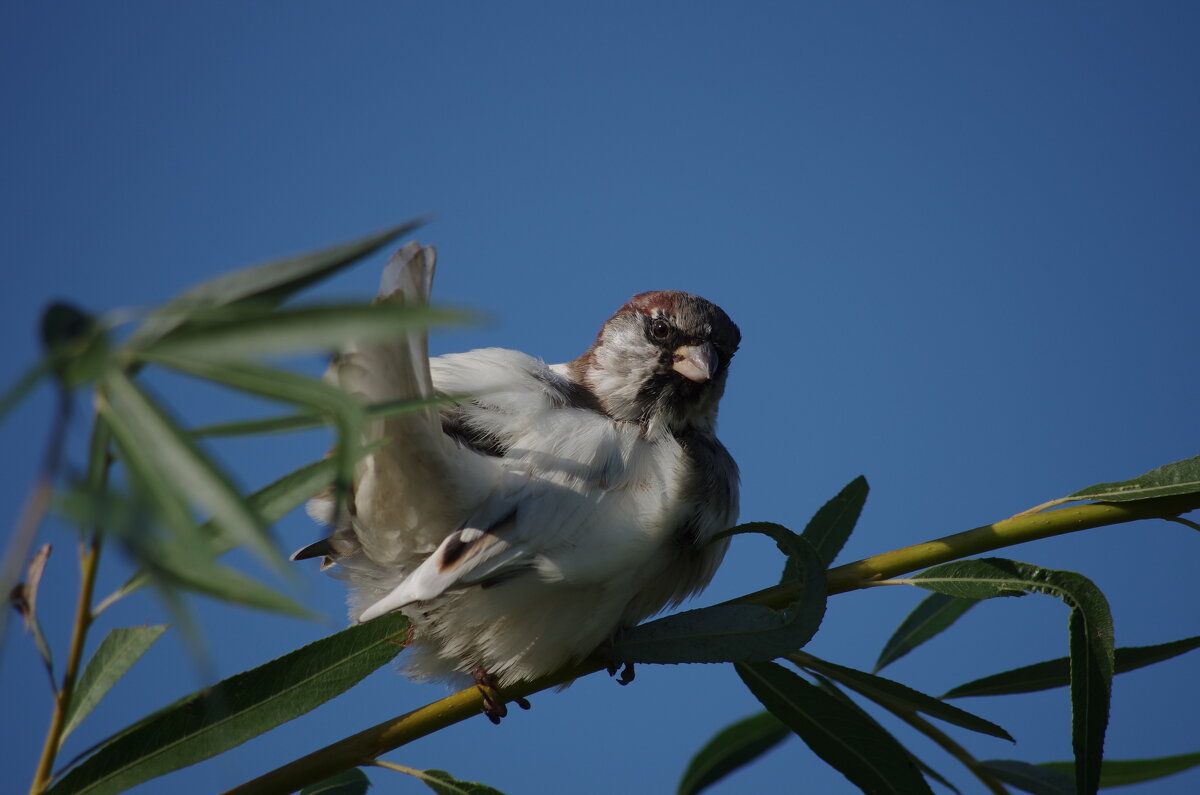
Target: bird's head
column 662, row 360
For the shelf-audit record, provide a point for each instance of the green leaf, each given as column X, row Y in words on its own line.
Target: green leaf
column 736, row 632
column 23, row 385
column 737, row 745
column 893, row 694
column 272, row 502
column 313, row 419
column 933, row 615
column 443, row 783
column 1119, row 772
column 1031, row 778
column 1181, row 477
column 857, row 748
column 1089, row 630
column 831, row 526
column 287, row 386
column 833, row 690
column 1057, row 673
column 171, row 462
column 232, row 711
column 348, row 782
column 268, row 284
column 113, row 658
column 76, row 345
column 247, row 334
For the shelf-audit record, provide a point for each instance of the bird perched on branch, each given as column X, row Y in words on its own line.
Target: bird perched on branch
column 521, row 526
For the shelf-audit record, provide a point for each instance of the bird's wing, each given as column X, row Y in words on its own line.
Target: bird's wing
column 410, row 493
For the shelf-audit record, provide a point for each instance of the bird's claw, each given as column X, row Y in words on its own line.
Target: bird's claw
column 493, row 703
column 627, row 673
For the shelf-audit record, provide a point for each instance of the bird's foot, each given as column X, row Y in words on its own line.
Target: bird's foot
column 493, row 702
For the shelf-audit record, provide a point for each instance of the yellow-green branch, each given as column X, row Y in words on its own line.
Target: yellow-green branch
column 364, row 747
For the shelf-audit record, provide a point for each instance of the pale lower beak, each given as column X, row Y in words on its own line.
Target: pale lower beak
column 696, row 362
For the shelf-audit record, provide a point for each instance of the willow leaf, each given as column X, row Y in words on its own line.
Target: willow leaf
column 1089, row 629
column 857, row 748
column 268, row 283
column 933, row 615
column 232, row 711
column 737, row 745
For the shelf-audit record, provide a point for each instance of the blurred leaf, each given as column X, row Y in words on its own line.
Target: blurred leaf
column 829, row 528
column 735, row 632
column 1089, row 628
column 183, row 558
column 934, row 614
column 248, row 334
column 22, row 386
column 1181, row 477
column 871, row 759
column 348, row 782
column 241, row 707
column 116, row 654
column 313, row 419
column 268, row 284
column 443, row 783
column 1031, row 778
column 1057, row 673
column 24, row 601
column 75, row 344
column 272, row 502
column 734, row 746
column 1119, row 772
column 886, row 692
column 290, row 387
column 171, row 462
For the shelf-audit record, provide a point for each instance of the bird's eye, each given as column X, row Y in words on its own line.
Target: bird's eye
column 660, row 329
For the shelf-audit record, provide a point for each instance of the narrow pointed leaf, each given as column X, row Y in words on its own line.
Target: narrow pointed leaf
column 1180, row 477
column 893, row 694
column 443, row 783
column 176, row 464
column 269, row 283
column 236, row 709
column 272, row 502
column 735, row 632
column 831, row 526
column 833, row 690
column 871, row 759
column 1089, row 629
column 313, row 419
column 348, row 782
column 737, row 745
column 1057, row 673
column 292, row 387
column 1119, row 772
column 1034, row 779
column 113, row 658
column 933, row 615
column 246, row 335
column 13, row 396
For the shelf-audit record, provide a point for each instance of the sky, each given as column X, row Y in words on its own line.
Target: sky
column 960, row 240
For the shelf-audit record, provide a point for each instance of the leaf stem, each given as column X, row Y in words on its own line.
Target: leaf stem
column 364, row 747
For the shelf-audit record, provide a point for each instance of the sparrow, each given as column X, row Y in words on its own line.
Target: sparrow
column 537, row 510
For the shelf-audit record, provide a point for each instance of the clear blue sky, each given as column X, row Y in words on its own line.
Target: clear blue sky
column 961, row 241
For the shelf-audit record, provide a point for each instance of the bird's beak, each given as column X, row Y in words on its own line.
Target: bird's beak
column 696, row 362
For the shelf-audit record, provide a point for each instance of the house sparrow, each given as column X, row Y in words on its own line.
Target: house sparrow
column 549, row 506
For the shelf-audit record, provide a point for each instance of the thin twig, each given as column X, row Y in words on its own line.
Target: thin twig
column 89, row 563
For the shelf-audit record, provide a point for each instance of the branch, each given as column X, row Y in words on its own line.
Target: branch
column 364, row 747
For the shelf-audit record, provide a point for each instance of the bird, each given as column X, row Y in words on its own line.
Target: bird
column 528, row 513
